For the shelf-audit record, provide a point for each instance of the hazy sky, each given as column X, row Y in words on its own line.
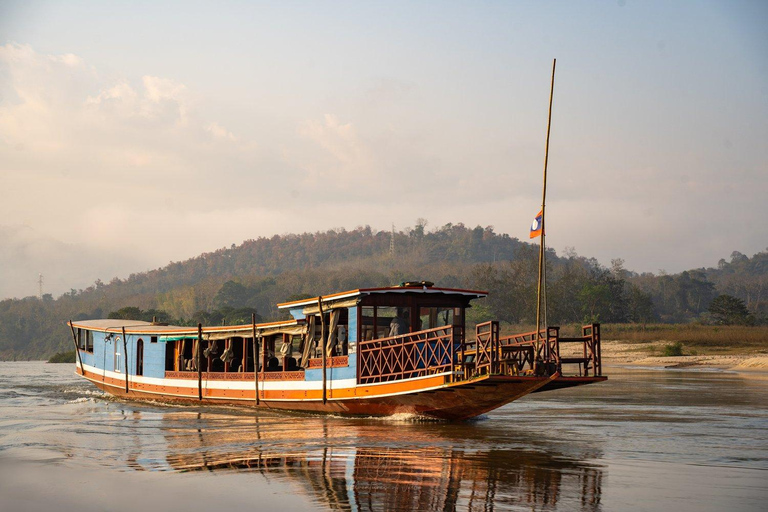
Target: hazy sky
column 132, row 134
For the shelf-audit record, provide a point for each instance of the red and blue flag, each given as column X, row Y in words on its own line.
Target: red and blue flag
column 537, row 225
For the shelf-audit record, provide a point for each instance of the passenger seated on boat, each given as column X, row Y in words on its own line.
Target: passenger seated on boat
column 398, row 325
column 273, row 364
column 290, row 364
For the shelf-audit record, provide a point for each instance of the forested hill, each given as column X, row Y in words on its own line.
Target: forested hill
column 361, row 247
column 228, row 284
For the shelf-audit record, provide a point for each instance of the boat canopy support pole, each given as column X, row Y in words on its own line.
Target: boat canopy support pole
column 199, row 361
column 255, row 358
column 77, row 349
column 322, row 343
column 125, row 359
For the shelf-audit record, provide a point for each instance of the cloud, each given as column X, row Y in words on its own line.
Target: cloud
column 345, row 159
column 68, row 59
column 162, row 91
column 62, row 118
column 219, row 132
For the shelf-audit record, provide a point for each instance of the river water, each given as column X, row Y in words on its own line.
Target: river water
column 647, row 439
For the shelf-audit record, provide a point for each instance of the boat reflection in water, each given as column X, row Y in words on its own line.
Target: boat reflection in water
column 383, row 465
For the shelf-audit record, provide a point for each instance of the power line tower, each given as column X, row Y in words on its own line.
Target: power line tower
column 40, row 286
column 392, row 241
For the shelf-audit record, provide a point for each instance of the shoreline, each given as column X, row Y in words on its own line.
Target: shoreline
column 631, row 354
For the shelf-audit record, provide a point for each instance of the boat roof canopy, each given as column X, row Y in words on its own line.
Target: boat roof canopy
column 170, row 332
column 294, row 326
column 420, row 288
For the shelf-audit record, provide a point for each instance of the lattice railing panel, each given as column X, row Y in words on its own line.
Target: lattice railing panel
column 407, row 356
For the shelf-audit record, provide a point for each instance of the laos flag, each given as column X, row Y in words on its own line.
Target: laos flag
column 536, row 225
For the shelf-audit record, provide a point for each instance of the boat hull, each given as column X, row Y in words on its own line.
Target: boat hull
column 452, row 401
column 569, row 382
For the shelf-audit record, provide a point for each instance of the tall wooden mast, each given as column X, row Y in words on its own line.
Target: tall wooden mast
column 541, row 294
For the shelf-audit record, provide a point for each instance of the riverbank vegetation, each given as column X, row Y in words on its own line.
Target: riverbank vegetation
column 231, row 284
column 719, row 338
column 63, row 357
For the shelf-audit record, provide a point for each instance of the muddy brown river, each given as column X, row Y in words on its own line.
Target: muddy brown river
column 648, row 439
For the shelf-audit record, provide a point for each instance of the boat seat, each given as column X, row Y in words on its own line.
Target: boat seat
column 574, row 360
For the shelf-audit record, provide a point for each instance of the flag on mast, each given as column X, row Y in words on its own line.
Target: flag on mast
column 536, row 226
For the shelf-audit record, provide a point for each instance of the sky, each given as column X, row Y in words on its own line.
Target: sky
column 137, row 133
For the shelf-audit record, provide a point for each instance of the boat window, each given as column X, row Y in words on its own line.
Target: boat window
column 185, row 359
column 170, row 356
column 118, row 353
column 215, row 351
column 436, row 317
column 336, row 340
column 384, row 321
column 268, row 354
column 289, row 352
column 296, row 340
column 366, row 322
column 392, row 321
column 236, row 346
column 204, row 358
column 248, row 354
column 85, row 340
column 343, row 343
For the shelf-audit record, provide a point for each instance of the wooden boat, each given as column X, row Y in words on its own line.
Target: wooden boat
column 369, row 351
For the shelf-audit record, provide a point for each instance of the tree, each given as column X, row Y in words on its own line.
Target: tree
column 232, row 294
column 595, row 299
column 728, row 310
column 640, row 305
column 126, row 313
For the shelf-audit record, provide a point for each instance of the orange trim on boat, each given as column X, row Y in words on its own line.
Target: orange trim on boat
column 369, row 391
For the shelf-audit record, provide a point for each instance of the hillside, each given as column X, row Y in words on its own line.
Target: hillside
column 229, row 283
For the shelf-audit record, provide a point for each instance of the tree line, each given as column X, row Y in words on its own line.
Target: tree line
column 231, row 284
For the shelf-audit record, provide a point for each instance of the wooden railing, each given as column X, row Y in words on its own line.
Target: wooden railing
column 486, row 348
column 526, row 353
column 411, row 355
column 591, row 357
column 443, row 350
column 547, row 349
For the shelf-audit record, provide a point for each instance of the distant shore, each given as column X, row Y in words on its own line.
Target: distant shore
column 625, row 353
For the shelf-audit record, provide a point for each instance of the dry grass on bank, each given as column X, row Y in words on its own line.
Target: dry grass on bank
column 714, row 337
column 703, row 338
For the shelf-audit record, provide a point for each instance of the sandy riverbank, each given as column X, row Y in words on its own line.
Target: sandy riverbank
column 623, row 353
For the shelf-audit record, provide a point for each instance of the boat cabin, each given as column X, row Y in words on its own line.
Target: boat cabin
column 343, row 321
